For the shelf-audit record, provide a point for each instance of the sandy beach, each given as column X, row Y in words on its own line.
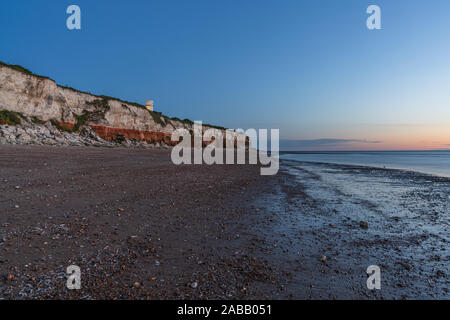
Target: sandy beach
column 140, row 227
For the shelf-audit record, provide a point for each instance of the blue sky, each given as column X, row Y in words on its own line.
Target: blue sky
column 310, row 68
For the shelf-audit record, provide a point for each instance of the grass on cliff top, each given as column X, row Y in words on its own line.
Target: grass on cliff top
column 10, row 117
column 22, row 69
column 158, row 117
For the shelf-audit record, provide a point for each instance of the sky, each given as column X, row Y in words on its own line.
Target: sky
column 309, row 68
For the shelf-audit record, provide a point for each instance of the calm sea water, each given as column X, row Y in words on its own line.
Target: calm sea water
column 432, row 162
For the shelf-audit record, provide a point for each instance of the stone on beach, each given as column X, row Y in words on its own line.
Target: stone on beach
column 364, row 224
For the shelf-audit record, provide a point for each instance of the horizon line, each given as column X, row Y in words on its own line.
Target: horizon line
column 408, row 150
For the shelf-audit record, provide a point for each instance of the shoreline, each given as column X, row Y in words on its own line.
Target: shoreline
column 404, row 170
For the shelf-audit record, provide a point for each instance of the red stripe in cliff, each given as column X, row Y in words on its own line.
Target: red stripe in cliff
column 111, row 134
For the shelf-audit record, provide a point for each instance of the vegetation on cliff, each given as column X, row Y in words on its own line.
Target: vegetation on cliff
column 15, row 118
column 23, row 70
column 10, row 117
column 36, row 120
column 158, row 118
column 100, row 106
column 60, row 127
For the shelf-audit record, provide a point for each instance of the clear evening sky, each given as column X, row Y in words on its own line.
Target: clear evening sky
column 310, row 68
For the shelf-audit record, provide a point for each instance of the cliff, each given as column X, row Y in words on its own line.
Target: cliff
column 111, row 118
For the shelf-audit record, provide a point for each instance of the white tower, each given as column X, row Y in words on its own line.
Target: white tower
column 149, row 105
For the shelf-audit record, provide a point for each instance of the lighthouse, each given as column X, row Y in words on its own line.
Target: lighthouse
column 149, row 105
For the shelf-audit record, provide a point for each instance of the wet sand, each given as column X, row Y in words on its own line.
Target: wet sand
column 140, row 227
column 321, row 210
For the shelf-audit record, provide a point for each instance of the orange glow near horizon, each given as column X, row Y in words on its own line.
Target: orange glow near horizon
column 393, row 146
column 415, row 137
column 387, row 137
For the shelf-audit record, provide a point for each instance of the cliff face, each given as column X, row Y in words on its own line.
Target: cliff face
column 43, row 98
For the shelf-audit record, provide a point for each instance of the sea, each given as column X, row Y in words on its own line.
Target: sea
column 429, row 162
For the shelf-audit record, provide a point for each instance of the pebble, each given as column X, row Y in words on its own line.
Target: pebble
column 364, row 225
